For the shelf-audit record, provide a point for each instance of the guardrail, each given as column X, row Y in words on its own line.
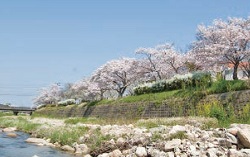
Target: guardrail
column 16, row 110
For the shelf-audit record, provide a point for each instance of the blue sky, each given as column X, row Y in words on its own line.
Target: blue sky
column 48, row 41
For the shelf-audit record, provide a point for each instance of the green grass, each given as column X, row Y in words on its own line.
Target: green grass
column 204, row 122
column 216, row 87
column 100, row 121
column 5, row 114
column 178, row 135
column 152, row 97
column 84, row 120
column 19, row 122
column 227, row 86
column 63, row 135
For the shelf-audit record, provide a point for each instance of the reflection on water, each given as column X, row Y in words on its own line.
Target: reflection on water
column 14, row 147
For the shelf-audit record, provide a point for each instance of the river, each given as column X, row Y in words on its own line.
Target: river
column 17, row 147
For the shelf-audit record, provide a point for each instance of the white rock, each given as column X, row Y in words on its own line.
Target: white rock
column 246, row 151
column 127, row 152
column 231, row 138
column 138, row 131
column 233, row 131
column 170, row 154
column 141, row 152
column 67, row 148
column 88, row 155
column 81, row 149
column 184, row 155
column 241, row 126
column 37, row 141
column 210, row 145
column 176, row 129
column 103, row 155
column 10, row 129
column 105, row 129
column 235, row 153
column 244, row 137
column 170, row 145
column 115, row 153
column 212, row 152
column 120, row 141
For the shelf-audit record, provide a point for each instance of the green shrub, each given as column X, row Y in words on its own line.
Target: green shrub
column 245, row 114
column 213, row 109
column 201, row 80
column 223, row 86
column 217, row 111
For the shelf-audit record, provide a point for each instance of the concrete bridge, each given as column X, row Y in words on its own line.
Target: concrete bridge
column 16, row 110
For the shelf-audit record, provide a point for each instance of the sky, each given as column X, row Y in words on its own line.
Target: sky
column 62, row 41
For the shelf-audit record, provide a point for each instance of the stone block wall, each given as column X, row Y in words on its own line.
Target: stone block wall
column 168, row 108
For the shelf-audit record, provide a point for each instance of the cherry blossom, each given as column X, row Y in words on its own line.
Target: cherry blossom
column 116, row 75
column 162, row 61
column 49, row 95
column 223, row 42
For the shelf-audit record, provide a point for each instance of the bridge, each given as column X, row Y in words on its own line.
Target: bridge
column 16, row 110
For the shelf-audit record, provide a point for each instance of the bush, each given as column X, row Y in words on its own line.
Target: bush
column 67, row 102
column 245, row 115
column 223, row 86
column 198, row 80
column 201, row 80
column 213, row 110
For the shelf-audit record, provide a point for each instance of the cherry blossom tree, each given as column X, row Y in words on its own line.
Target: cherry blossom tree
column 162, row 61
column 116, row 75
column 49, row 95
column 86, row 90
column 223, row 42
column 245, row 67
column 67, row 92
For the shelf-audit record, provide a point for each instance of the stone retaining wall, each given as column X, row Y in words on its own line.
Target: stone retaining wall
column 168, row 108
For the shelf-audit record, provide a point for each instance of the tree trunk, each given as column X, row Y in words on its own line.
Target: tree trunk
column 235, row 72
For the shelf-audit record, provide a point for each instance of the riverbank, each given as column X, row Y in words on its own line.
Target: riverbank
column 188, row 136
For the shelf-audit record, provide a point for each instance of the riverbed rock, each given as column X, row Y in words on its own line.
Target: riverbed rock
column 37, row 141
column 141, row 152
column 233, row 130
column 170, row 145
column 10, row 129
column 81, row 149
column 68, row 148
column 12, row 135
column 103, row 155
column 231, row 138
column 115, row 153
column 244, row 137
column 176, row 129
column 235, row 153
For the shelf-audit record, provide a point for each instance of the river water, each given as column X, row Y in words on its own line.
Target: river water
column 17, row 147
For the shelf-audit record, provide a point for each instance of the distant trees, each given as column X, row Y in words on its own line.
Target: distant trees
column 224, row 41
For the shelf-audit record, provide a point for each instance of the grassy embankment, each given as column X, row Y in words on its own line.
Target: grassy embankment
column 224, row 113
